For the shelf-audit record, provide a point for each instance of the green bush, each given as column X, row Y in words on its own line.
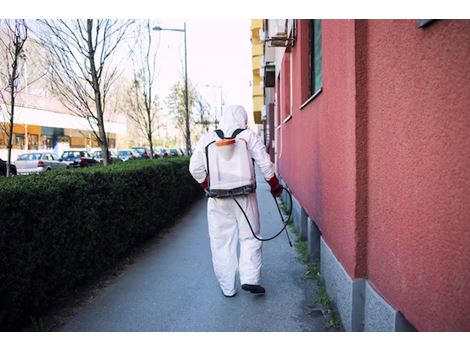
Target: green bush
column 59, row 229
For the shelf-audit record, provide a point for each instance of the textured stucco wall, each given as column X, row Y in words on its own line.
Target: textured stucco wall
column 317, row 150
column 419, row 170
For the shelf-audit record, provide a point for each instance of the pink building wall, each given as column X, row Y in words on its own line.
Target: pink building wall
column 419, row 170
column 317, row 153
column 380, row 159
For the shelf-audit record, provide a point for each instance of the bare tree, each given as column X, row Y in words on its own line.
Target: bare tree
column 204, row 112
column 175, row 103
column 142, row 106
column 80, row 54
column 11, row 46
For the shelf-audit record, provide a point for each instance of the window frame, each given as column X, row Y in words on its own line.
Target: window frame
column 311, row 91
column 286, row 88
column 314, row 70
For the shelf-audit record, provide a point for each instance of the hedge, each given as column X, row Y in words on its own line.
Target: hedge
column 60, row 229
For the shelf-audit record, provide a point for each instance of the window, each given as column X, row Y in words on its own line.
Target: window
column 315, row 56
column 46, row 142
column 18, row 140
column 286, row 91
column 33, row 141
column 30, row 156
column 278, row 103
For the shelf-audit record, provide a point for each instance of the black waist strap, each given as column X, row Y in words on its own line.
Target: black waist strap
column 229, row 193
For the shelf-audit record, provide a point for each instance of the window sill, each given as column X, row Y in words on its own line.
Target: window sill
column 317, row 93
column 287, row 119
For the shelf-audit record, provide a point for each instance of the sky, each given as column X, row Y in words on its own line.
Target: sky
column 219, row 59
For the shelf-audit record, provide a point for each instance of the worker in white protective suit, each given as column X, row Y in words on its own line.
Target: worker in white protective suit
column 225, row 219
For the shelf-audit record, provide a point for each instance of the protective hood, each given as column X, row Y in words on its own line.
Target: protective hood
column 234, row 117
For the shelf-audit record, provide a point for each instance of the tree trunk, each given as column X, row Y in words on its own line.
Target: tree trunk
column 12, row 116
column 151, row 143
column 96, row 88
column 9, row 145
column 150, row 132
column 104, row 145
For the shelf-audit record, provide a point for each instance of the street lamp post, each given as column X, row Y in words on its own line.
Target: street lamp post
column 186, row 98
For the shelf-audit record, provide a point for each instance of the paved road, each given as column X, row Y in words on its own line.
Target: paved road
column 172, row 287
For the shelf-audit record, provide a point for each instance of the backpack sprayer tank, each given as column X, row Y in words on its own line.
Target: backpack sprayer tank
column 230, row 167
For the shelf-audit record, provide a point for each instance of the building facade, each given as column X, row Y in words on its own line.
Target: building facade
column 257, row 59
column 368, row 124
column 42, row 123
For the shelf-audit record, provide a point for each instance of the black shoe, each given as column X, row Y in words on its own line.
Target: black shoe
column 256, row 289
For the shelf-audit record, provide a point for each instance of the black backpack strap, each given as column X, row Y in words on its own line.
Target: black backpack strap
column 220, row 133
column 236, row 132
column 207, row 162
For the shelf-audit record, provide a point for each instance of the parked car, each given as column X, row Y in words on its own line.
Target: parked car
column 36, row 162
column 159, row 152
column 113, row 157
column 144, row 152
column 3, row 168
column 128, row 154
column 78, row 158
column 173, row 152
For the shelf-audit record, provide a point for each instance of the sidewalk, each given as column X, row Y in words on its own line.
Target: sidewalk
column 172, row 287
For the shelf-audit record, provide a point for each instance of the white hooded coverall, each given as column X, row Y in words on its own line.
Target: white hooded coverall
column 225, row 219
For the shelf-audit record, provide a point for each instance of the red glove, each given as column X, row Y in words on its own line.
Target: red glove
column 276, row 188
column 204, row 184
